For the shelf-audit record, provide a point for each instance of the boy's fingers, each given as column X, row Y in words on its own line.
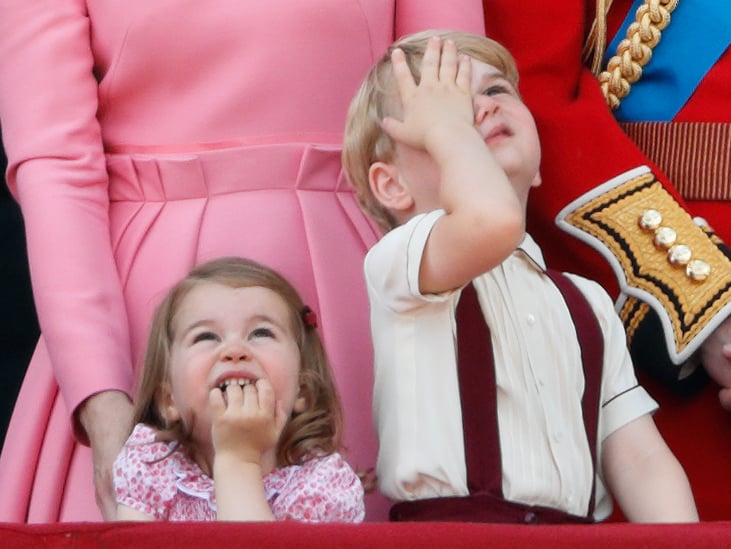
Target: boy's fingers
column 464, row 73
column 401, row 72
column 448, row 63
column 430, row 61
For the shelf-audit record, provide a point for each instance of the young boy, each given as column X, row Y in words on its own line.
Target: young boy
column 442, row 154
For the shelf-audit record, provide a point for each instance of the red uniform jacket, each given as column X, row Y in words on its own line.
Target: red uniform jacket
column 584, row 147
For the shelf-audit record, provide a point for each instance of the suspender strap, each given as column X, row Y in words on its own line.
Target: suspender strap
column 478, row 395
column 591, row 341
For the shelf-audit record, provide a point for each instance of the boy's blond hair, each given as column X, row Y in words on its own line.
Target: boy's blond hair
column 365, row 142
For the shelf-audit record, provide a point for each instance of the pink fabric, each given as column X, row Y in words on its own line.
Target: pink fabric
column 146, row 137
column 170, row 486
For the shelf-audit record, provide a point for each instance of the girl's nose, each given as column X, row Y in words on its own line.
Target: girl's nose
column 235, row 353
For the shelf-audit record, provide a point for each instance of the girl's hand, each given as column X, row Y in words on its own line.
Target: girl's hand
column 246, row 422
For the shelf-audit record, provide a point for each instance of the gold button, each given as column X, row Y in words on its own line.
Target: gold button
column 679, row 255
column 698, row 270
column 650, row 220
column 665, row 237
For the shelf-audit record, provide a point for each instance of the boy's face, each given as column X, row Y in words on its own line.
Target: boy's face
column 507, row 127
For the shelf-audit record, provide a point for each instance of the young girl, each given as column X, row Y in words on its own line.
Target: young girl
column 237, row 416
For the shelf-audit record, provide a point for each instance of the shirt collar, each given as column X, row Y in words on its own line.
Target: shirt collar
column 531, row 251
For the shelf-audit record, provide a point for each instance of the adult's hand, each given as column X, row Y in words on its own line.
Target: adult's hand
column 716, row 358
column 107, row 419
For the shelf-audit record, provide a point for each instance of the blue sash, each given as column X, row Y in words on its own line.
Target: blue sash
column 698, row 34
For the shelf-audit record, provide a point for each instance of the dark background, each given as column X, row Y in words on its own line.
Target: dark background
column 18, row 324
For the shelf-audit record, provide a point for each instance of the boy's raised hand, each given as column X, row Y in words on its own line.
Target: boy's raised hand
column 441, row 100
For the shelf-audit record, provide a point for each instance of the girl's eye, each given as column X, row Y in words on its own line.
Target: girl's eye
column 204, row 336
column 261, row 332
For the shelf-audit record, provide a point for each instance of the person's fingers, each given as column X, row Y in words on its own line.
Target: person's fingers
column 265, row 393
column 448, row 62
column 464, row 74
column 431, row 60
column 724, row 397
column 401, row 73
column 216, row 402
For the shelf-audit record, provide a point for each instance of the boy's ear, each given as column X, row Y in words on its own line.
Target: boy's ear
column 537, row 180
column 166, row 403
column 387, row 187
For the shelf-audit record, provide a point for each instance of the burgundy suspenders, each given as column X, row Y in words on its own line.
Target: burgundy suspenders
column 478, row 394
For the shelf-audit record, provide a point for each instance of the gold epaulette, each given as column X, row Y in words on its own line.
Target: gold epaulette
column 659, row 254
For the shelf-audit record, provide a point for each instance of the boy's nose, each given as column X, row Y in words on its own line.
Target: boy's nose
column 484, row 106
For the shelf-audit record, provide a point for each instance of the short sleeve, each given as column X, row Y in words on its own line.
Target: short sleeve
column 623, row 399
column 323, row 489
column 143, row 479
column 392, row 265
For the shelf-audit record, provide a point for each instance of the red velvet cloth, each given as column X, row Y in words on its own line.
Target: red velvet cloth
column 288, row 535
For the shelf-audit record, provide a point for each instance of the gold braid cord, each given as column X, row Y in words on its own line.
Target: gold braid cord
column 635, row 51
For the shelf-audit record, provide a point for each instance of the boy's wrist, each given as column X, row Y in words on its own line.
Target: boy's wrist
column 446, row 141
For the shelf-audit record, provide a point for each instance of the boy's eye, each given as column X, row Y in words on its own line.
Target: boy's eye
column 496, row 90
column 261, row 332
column 204, row 336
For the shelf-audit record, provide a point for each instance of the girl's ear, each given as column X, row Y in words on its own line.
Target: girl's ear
column 387, row 187
column 300, row 403
column 166, row 403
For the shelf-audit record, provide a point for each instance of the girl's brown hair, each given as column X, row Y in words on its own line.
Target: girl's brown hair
column 315, row 431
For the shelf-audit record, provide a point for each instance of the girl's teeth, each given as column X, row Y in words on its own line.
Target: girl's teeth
column 240, row 382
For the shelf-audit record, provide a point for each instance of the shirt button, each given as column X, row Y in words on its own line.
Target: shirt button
column 557, row 437
column 531, row 320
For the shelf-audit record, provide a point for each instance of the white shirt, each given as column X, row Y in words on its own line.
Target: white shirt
column 545, row 454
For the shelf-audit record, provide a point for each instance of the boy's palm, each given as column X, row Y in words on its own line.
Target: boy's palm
column 441, row 100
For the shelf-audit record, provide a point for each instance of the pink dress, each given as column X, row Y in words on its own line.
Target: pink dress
column 171, row 486
column 144, row 137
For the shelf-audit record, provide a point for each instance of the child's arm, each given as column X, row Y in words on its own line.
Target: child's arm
column 645, row 477
column 245, row 428
column 127, row 513
column 484, row 219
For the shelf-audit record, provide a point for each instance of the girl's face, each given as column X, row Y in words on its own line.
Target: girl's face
column 224, row 335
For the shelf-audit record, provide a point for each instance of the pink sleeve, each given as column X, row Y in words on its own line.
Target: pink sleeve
column 56, row 170
column 141, row 474
column 416, row 15
column 322, row 490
